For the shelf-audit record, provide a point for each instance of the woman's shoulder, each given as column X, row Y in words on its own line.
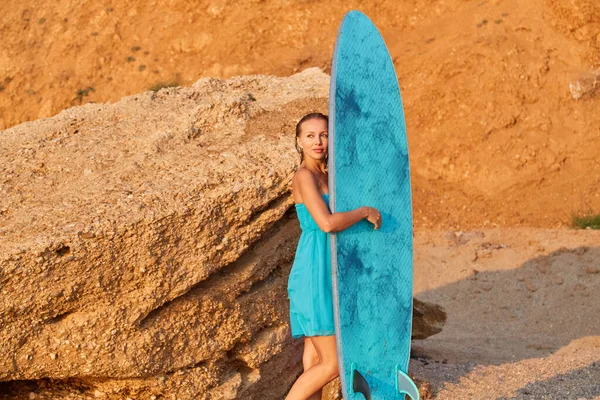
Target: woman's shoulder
column 303, row 176
column 302, row 171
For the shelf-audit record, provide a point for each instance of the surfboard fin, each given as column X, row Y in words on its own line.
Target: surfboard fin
column 359, row 383
column 406, row 385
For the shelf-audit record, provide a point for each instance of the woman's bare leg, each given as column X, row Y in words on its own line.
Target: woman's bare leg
column 317, row 376
column 310, row 358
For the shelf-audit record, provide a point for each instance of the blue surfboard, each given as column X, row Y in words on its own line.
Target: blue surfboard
column 372, row 270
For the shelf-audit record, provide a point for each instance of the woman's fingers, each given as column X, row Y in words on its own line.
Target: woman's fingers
column 377, row 220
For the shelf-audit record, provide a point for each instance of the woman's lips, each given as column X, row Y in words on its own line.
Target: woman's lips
column 318, row 150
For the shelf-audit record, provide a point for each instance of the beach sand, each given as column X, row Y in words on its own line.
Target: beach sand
column 522, row 313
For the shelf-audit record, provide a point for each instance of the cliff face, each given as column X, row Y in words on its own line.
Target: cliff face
column 500, row 97
column 146, row 244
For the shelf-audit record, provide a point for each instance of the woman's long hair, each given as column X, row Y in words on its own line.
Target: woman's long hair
column 316, row 115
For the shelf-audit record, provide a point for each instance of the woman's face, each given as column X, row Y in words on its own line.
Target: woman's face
column 313, row 138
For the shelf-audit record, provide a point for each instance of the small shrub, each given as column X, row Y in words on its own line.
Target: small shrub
column 160, row 85
column 84, row 92
column 587, row 221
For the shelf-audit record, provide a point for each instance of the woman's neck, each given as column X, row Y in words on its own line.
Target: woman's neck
column 315, row 166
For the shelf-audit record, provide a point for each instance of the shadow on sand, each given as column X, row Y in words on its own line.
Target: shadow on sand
column 504, row 316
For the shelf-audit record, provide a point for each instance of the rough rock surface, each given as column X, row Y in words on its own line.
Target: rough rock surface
column 146, row 244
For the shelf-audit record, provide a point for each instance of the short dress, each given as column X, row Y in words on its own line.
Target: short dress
column 309, row 283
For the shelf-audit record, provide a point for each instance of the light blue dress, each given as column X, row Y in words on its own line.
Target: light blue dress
column 309, row 284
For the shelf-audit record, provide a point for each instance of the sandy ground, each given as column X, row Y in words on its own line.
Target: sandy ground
column 522, row 313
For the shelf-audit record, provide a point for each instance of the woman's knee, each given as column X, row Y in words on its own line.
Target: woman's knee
column 328, row 355
column 309, row 359
column 332, row 370
column 310, row 356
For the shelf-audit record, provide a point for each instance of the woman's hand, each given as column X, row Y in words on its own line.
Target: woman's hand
column 373, row 216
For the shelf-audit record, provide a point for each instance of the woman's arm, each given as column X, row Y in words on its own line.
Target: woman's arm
column 327, row 222
column 342, row 220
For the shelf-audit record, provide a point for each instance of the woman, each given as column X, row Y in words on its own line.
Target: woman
column 309, row 284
